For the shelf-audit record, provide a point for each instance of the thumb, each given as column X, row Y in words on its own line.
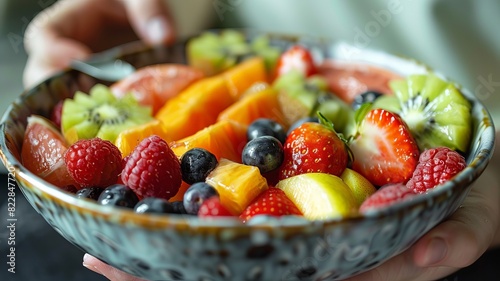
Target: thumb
column 464, row 237
column 151, row 20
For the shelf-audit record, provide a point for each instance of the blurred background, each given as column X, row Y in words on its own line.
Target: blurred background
column 41, row 254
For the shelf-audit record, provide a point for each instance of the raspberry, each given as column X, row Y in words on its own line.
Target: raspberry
column 153, row 170
column 94, row 162
column 387, row 195
column 435, row 166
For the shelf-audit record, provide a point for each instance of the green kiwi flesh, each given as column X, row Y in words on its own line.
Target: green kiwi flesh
column 213, row 53
column 100, row 114
column 435, row 111
column 301, row 97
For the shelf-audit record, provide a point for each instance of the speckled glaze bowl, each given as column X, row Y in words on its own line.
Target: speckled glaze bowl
column 187, row 248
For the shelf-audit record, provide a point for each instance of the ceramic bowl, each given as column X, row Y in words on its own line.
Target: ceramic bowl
column 165, row 247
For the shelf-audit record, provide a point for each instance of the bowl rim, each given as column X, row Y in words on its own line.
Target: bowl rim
column 159, row 221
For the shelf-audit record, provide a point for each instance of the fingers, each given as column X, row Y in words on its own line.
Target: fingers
column 456, row 243
column 49, row 50
column 463, row 238
column 73, row 29
column 49, row 60
column 151, row 20
column 107, row 271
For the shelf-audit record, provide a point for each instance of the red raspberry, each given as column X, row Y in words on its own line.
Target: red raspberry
column 94, row 162
column 435, row 166
column 153, row 170
column 386, row 195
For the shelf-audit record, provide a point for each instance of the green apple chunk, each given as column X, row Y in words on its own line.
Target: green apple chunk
column 360, row 187
column 301, row 97
column 319, row 196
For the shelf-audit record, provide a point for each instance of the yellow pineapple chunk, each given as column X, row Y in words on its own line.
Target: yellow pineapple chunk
column 237, row 184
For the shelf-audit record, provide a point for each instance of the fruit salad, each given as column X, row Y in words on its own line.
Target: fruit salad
column 249, row 129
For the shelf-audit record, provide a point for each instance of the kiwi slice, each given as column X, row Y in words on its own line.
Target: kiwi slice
column 215, row 52
column 100, row 114
column 301, row 97
column 434, row 109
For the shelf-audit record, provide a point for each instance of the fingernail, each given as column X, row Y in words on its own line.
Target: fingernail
column 157, row 30
column 436, row 253
column 86, row 262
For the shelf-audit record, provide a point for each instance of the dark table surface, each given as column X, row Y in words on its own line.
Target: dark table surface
column 43, row 255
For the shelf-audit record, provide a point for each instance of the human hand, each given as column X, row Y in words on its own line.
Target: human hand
column 73, row 29
column 106, row 270
column 455, row 243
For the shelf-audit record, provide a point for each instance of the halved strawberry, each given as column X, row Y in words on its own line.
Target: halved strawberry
column 298, row 58
column 272, row 202
column 314, row 148
column 384, row 149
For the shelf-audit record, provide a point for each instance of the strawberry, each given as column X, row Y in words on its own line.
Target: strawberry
column 383, row 147
column 313, row 148
column 386, row 195
column 435, row 166
column 273, row 202
column 94, row 162
column 153, row 170
column 296, row 58
column 212, row 207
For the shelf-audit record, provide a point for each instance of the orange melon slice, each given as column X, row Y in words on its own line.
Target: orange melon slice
column 244, row 75
column 255, row 105
column 128, row 139
column 154, row 85
column 224, row 139
column 195, row 108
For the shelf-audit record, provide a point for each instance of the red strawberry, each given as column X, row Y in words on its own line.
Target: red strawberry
column 296, row 58
column 94, row 162
column 386, row 195
column 212, row 207
column 273, row 202
column 152, row 169
column 313, row 148
column 384, row 149
column 435, row 167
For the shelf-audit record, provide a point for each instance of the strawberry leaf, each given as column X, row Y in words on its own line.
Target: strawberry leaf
column 324, row 121
column 360, row 114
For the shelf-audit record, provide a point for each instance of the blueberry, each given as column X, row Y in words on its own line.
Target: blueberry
column 366, row 97
column 266, row 127
column 154, row 205
column 302, row 121
column 89, row 192
column 118, row 195
column 265, row 153
column 196, row 194
column 196, row 164
column 178, row 208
